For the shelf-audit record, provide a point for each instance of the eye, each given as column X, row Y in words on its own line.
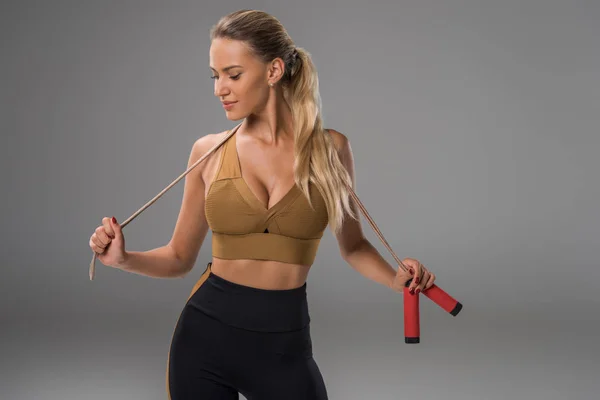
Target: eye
column 235, row 77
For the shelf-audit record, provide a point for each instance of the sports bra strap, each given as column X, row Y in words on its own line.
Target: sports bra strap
column 228, row 163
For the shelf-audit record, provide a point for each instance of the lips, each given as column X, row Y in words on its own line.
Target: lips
column 228, row 105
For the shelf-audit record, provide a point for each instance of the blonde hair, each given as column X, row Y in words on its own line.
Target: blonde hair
column 316, row 159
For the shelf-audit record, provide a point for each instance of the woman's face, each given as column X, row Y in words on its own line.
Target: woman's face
column 239, row 77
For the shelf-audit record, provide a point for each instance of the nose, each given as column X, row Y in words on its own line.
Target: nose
column 220, row 88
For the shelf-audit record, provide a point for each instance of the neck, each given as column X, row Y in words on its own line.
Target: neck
column 271, row 124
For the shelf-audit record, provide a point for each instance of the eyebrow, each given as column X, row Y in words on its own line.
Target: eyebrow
column 227, row 68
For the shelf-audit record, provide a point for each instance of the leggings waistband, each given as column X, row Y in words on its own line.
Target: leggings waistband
column 254, row 309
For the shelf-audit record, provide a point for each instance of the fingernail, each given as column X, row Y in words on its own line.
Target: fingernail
column 418, row 291
column 411, row 290
column 114, row 220
column 417, row 280
column 411, row 271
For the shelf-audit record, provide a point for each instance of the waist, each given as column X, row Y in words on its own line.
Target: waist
column 265, row 246
column 254, row 309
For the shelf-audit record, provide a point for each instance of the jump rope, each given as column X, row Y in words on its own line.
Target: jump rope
column 412, row 329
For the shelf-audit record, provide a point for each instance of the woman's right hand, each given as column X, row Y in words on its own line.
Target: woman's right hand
column 108, row 242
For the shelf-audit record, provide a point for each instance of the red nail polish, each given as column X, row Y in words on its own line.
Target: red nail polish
column 114, row 220
column 418, row 291
column 417, row 280
column 412, row 291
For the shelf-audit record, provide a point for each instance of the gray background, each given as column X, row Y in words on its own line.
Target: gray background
column 474, row 126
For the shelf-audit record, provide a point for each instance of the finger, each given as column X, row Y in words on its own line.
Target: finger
column 116, row 228
column 409, row 263
column 429, row 281
column 102, row 236
column 95, row 245
column 417, row 276
column 108, row 227
column 97, row 242
column 409, row 267
column 423, row 280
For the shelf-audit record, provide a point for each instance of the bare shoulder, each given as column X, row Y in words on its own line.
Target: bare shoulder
column 204, row 143
column 341, row 143
column 201, row 146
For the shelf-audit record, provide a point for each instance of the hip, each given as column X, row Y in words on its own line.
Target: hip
column 250, row 308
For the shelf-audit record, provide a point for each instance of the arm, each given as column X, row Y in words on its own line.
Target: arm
column 178, row 257
column 355, row 249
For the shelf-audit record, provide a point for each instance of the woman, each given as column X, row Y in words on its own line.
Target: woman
column 267, row 194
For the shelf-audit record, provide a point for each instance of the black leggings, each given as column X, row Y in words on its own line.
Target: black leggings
column 233, row 339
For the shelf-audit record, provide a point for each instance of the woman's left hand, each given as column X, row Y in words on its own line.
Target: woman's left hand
column 422, row 278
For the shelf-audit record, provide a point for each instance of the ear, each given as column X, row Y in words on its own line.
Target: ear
column 275, row 70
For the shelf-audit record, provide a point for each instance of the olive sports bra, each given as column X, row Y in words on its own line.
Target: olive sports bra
column 243, row 228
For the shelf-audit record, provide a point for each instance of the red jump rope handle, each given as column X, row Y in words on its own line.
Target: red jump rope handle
column 443, row 299
column 412, row 329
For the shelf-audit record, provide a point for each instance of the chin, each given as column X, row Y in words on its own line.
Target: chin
column 234, row 116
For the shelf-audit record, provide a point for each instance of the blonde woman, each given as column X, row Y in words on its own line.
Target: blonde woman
column 267, row 194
